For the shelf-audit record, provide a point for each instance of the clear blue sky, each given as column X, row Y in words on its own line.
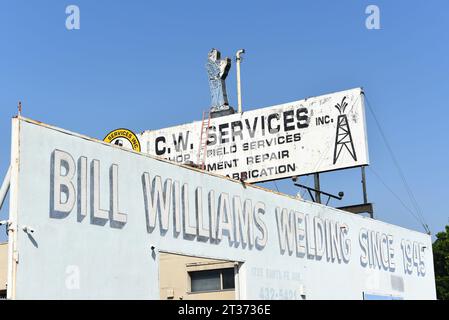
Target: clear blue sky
column 140, row 65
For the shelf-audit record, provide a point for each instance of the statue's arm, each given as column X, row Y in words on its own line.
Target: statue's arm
column 225, row 65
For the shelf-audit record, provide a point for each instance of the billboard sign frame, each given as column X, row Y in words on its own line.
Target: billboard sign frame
column 314, row 135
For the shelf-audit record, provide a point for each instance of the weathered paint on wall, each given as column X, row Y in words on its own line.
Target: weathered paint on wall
column 94, row 239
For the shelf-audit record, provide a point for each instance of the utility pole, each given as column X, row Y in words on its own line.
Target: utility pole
column 316, row 177
column 238, row 59
column 365, row 196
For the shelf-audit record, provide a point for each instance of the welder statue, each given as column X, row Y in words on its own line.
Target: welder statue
column 217, row 71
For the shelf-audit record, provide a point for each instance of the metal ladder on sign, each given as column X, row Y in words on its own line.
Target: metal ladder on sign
column 204, row 135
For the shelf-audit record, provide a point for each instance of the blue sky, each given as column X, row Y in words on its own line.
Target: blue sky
column 140, row 65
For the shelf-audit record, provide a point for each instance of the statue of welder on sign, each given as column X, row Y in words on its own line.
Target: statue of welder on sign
column 217, row 71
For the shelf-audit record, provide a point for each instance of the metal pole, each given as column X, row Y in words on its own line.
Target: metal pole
column 239, row 89
column 5, row 187
column 365, row 195
column 317, row 187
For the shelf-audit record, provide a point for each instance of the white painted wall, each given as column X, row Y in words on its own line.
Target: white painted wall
column 72, row 258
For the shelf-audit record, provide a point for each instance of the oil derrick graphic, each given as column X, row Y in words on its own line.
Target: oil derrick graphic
column 343, row 137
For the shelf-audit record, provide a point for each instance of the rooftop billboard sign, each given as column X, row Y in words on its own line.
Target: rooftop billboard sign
column 313, row 135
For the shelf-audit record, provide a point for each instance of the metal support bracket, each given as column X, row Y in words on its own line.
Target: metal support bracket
column 319, row 192
column 5, row 187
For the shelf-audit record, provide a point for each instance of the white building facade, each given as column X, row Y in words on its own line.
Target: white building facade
column 89, row 220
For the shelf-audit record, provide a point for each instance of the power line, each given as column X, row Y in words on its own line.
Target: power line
column 390, row 150
column 398, row 167
column 395, row 195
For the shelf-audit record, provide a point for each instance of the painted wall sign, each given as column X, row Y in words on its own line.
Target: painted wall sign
column 123, row 138
column 314, row 135
column 96, row 211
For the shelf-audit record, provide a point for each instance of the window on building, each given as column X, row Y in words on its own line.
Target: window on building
column 212, row 280
column 227, row 277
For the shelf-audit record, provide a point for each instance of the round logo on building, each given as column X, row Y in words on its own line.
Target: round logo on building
column 123, row 138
